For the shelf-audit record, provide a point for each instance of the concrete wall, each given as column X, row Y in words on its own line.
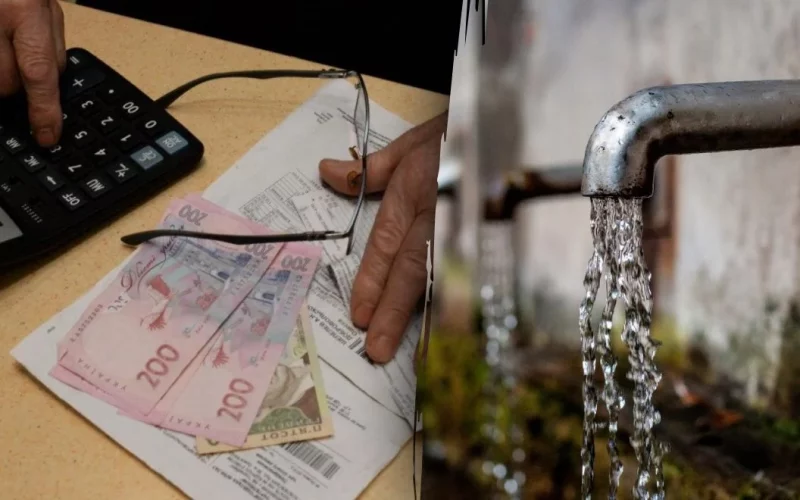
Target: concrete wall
column 739, row 213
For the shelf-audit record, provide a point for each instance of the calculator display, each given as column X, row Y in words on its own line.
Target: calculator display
column 8, row 230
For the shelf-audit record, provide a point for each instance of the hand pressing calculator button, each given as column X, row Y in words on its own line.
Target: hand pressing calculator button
column 118, row 148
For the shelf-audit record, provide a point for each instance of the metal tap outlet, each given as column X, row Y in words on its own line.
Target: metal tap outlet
column 623, row 150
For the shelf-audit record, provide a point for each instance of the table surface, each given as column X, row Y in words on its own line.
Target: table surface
column 50, row 451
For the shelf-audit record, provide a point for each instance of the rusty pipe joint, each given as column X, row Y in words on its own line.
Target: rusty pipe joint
column 623, row 150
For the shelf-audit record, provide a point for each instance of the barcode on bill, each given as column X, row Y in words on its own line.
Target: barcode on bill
column 359, row 347
column 314, row 457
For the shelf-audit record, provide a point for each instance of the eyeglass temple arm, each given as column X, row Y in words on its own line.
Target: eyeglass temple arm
column 234, row 239
column 170, row 97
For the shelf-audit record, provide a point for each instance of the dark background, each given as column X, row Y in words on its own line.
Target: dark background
column 407, row 42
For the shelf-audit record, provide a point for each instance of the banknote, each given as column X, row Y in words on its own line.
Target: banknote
column 295, row 407
column 222, row 396
column 159, row 412
column 60, row 373
column 140, row 334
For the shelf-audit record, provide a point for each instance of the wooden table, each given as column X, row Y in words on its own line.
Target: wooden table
column 49, row 450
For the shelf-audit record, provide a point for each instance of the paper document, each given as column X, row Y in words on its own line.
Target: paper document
column 277, row 184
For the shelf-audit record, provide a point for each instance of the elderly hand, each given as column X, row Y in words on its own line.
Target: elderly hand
column 392, row 276
column 32, row 53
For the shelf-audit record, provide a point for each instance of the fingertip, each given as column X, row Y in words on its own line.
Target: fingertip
column 381, row 348
column 343, row 176
column 46, row 137
column 362, row 314
column 329, row 168
column 46, row 125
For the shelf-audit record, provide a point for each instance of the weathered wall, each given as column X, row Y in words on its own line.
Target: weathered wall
column 739, row 213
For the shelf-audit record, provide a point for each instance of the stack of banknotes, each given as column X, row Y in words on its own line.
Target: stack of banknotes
column 206, row 338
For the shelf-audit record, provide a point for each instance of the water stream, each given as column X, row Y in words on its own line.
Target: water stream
column 616, row 226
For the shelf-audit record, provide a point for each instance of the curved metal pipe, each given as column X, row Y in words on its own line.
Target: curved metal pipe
column 523, row 185
column 623, row 150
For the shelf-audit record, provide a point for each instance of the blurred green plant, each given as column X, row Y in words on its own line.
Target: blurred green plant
column 453, row 404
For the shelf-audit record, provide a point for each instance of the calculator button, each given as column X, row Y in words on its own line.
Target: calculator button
column 32, row 162
column 121, row 171
column 125, row 140
column 82, row 137
column 150, row 126
column 82, row 82
column 57, row 152
column 76, row 167
column 96, row 185
column 106, row 123
column 130, row 108
column 76, row 60
column 88, row 106
column 109, row 94
column 172, row 142
column 101, row 154
column 13, row 144
column 51, row 179
column 147, row 157
column 72, row 198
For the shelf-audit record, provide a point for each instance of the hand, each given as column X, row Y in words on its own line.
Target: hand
column 32, row 53
column 392, row 276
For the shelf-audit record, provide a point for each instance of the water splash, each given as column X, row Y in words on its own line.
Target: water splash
column 616, row 227
column 634, row 284
column 591, row 284
column 612, row 398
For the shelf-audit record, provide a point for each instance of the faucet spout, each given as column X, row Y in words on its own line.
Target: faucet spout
column 623, row 150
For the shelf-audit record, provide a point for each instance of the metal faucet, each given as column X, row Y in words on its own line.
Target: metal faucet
column 623, row 150
column 523, row 184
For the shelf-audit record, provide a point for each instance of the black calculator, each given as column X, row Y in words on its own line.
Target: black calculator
column 117, row 149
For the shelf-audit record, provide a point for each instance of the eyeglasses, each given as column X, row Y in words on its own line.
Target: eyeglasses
column 358, row 150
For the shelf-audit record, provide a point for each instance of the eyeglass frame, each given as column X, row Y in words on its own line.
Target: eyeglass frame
column 167, row 99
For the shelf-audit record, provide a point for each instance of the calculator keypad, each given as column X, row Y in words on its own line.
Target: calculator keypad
column 115, row 142
column 108, row 139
